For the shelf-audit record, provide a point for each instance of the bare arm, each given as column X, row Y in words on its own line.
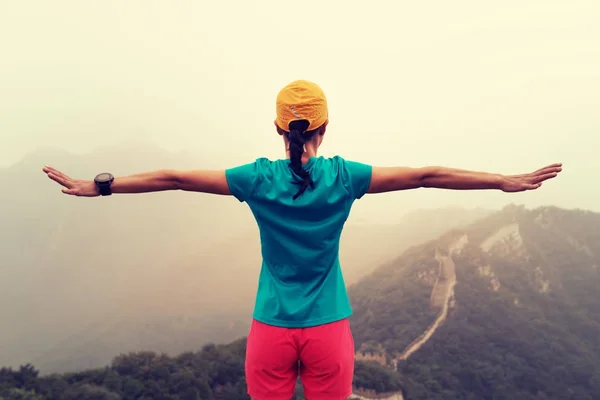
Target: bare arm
column 206, row 181
column 387, row 179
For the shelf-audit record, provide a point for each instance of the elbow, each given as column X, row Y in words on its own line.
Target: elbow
column 172, row 180
column 426, row 177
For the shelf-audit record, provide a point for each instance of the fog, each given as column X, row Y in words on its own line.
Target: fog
column 506, row 87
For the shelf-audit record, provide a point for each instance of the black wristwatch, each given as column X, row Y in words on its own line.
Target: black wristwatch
column 103, row 182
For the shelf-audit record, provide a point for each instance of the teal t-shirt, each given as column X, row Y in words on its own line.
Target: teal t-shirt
column 301, row 282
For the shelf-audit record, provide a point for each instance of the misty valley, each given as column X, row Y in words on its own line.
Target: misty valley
column 448, row 303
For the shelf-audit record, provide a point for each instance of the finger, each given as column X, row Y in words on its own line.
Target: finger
column 48, row 169
column 530, row 186
column 548, row 167
column 556, row 167
column 51, row 170
column 541, row 178
column 61, row 174
column 61, row 180
column 548, row 170
column 72, row 192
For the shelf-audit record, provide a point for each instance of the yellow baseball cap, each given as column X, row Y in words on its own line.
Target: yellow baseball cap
column 301, row 100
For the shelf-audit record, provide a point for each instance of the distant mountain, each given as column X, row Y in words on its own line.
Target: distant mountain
column 84, row 279
column 365, row 247
column 69, row 264
column 506, row 308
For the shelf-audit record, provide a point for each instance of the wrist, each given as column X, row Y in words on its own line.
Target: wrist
column 499, row 181
column 103, row 183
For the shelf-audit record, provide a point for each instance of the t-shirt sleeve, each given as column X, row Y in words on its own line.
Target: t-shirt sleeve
column 359, row 178
column 242, row 180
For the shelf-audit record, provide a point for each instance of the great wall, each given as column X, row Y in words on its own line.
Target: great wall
column 442, row 298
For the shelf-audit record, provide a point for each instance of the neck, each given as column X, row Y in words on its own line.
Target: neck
column 310, row 151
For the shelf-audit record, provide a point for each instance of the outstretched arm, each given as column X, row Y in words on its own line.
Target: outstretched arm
column 387, row 179
column 207, row 181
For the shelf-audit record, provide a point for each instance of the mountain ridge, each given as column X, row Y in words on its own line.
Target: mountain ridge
column 523, row 321
column 525, row 280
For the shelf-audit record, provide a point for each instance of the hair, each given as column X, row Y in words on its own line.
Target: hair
column 298, row 136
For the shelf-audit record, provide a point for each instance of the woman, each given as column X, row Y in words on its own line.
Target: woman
column 300, row 323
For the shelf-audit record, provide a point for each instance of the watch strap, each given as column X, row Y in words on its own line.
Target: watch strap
column 104, row 188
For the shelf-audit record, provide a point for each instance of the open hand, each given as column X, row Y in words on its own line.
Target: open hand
column 520, row 183
column 74, row 187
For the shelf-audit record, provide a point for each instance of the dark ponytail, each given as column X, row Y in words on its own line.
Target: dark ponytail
column 298, row 136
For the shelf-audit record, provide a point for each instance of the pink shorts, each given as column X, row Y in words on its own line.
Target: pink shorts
column 323, row 357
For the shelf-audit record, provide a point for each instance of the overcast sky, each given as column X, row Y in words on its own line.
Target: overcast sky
column 501, row 86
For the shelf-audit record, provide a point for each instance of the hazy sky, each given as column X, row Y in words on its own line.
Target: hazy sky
column 502, row 86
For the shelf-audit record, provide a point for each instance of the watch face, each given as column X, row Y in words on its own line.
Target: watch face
column 104, row 177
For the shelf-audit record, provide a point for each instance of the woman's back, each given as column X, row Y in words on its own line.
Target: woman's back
column 301, row 282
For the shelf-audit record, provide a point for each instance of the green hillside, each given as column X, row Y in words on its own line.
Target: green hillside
column 524, row 319
column 506, row 308
column 214, row 373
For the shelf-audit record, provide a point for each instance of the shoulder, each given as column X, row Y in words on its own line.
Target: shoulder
column 265, row 167
column 258, row 165
column 268, row 171
column 332, row 162
column 243, row 179
column 355, row 175
column 349, row 165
